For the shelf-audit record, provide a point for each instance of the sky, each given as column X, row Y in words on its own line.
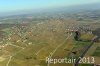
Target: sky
column 19, row 5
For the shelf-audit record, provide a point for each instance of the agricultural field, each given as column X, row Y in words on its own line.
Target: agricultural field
column 97, row 52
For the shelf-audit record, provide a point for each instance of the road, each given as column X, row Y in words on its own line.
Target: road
column 9, row 60
column 85, row 51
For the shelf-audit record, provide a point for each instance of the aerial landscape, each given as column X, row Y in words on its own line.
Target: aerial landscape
column 55, row 33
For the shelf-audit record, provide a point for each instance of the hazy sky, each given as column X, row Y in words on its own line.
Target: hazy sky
column 17, row 5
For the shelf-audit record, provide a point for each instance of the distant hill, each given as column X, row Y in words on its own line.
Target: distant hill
column 70, row 9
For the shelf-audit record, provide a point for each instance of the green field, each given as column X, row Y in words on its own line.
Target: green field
column 97, row 52
column 84, row 64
